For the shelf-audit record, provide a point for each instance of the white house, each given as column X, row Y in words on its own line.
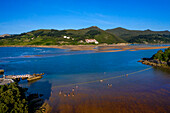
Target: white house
column 81, row 41
column 92, row 41
column 68, row 37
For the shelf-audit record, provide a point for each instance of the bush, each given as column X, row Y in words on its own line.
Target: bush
column 162, row 56
column 13, row 99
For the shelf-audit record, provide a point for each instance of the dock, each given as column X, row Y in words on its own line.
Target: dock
column 34, row 78
column 5, row 81
column 18, row 76
column 29, row 77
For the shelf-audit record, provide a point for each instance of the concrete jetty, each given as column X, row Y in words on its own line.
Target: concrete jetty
column 4, row 81
column 11, row 78
column 29, row 77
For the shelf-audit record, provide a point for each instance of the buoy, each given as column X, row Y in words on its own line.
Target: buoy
column 101, row 80
column 77, row 86
column 73, row 95
column 65, row 95
column 73, row 89
column 60, row 93
column 109, row 85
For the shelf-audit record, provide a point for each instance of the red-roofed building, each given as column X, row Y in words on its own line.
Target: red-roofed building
column 92, row 41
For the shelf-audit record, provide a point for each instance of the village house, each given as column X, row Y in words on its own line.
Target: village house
column 66, row 37
column 81, row 41
column 92, row 41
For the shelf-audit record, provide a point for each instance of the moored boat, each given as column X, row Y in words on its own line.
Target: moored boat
column 34, row 78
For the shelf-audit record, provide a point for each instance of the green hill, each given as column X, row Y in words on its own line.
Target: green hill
column 55, row 37
column 137, row 36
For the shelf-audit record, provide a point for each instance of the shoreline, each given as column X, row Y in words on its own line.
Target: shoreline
column 97, row 48
column 155, row 63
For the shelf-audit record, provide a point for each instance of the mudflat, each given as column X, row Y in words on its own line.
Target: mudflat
column 97, row 48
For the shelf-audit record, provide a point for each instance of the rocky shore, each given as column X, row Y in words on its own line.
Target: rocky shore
column 155, row 62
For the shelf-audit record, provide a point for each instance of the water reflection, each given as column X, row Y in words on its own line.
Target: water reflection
column 38, row 87
column 165, row 71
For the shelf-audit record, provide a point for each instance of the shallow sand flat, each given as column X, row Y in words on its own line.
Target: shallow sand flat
column 147, row 48
column 77, row 47
column 130, row 48
column 98, row 48
column 127, row 95
column 111, row 51
column 95, row 101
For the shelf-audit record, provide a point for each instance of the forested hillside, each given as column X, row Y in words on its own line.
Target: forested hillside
column 55, row 37
column 136, row 36
column 77, row 37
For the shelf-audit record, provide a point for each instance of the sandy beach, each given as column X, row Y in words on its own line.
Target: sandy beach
column 97, row 48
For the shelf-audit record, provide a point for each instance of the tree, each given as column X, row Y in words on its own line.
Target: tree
column 162, row 56
column 92, row 33
column 13, row 99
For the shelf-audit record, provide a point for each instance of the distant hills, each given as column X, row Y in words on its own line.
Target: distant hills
column 55, row 37
column 137, row 36
column 4, row 35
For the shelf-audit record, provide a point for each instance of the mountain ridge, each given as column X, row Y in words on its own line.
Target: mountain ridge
column 109, row 36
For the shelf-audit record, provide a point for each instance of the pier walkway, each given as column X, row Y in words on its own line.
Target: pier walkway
column 5, row 81
column 18, row 76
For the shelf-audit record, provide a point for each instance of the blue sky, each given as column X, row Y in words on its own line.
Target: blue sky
column 17, row 16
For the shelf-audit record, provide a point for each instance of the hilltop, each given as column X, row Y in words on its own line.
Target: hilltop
column 78, row 37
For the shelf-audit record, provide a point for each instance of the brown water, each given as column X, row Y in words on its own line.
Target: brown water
column 136, row 93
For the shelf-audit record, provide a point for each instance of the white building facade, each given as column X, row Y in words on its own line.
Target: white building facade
column 92, row 41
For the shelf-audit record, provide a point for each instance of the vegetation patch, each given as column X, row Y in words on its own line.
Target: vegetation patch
column 160, row 59
column 13, row 99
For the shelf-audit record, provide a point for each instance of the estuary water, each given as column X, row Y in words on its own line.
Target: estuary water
column 65, row 70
